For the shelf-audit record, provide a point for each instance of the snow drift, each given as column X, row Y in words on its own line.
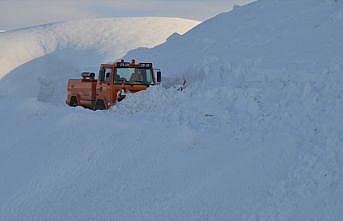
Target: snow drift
column 256, row 135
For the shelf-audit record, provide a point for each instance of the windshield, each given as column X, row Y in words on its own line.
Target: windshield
column 134, row 76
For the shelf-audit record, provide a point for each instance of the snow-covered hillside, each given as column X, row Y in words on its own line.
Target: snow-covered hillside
column 43, row 57
column 264, row 35
column 256, row 135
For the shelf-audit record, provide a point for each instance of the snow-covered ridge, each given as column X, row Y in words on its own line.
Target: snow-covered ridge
column 110, row 38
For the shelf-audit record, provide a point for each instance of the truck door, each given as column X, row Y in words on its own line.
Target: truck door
column 105, row 89
column 93, row 95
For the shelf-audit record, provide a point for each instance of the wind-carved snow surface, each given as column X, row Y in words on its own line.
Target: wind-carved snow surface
column 256, row 134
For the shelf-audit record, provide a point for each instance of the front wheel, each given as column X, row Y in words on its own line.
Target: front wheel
column 100, row 105
column 73, row 101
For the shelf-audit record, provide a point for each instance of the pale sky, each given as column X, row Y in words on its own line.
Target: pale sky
column 23, row 13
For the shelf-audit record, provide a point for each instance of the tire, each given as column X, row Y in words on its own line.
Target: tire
column 73, row 101
column 100, row 105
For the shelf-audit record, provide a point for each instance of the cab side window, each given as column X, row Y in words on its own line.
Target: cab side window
column 102, row 74
column 105, row 74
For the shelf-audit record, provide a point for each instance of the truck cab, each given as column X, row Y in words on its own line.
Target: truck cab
column 114, row 81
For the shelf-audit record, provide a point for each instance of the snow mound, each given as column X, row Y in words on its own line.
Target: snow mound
column 44, row 57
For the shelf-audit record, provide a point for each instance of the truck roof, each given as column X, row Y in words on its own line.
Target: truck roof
column 123, row 64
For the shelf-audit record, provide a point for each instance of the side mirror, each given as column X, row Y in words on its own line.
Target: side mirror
column 159, row 76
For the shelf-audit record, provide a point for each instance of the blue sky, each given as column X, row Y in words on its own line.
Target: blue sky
column 22, row 13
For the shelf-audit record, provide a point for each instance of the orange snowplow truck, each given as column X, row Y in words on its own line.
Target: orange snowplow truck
column 114, row 81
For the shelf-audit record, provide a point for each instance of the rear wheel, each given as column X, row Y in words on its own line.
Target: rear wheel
column 73, row 101
column 100, row 105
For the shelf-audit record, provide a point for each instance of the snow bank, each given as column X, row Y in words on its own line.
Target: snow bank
column 111, row 38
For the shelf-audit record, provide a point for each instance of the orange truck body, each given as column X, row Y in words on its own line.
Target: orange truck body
column 113, row 82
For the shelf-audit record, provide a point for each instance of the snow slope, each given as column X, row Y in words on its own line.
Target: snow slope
column 44, row 57
column 256, row 135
